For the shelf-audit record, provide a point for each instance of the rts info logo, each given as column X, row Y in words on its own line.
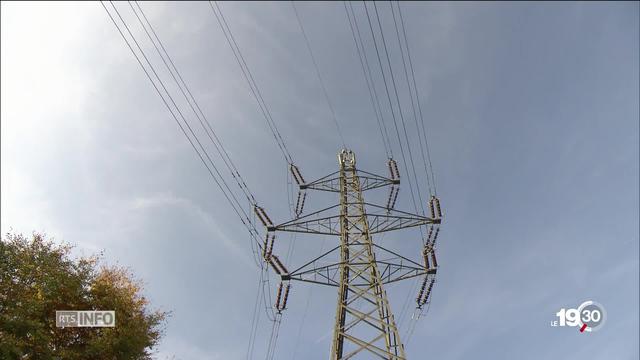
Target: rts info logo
column 589, row 316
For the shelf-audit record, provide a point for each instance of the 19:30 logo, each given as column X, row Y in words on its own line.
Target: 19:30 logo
column 589, row 316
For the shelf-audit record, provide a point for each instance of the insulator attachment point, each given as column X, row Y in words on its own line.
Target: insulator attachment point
column 262, row 215
column 302, row 196
column 393, row 196
column 297, row 176
column 393, row 170
column 434, row 207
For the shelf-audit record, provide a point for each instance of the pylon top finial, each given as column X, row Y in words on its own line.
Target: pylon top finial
column 346, row 157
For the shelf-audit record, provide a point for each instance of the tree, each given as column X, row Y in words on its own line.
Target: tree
column 38, row 277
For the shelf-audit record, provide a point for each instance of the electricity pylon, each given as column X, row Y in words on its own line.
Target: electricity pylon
column 364, row 322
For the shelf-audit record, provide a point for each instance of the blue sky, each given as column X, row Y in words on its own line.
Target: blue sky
column 532, row 114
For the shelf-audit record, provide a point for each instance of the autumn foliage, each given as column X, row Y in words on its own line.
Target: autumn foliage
column 38, row 277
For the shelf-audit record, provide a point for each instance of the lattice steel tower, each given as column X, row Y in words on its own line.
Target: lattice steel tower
column 364, row 322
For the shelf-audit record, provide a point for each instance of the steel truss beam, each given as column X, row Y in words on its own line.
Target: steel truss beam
column 326, row 222
column 367, row 180
column 393, row 267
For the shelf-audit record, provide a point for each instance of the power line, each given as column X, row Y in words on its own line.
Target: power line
column 157, row 89
column 393, row 116
column 413, row 105
column 373, row 87
column 223, row 153
column 221, row 150
column 229, row 195
column 255, row 90
column 424, row 134
column 255, row 319
column 275, row 318
column 190, row 98
column 273, row 339
column 377, row 111
column 257, row 94
column 304, row 316
column 402, row 122
column 315, row 64
column 391, row 330
column 395, row 89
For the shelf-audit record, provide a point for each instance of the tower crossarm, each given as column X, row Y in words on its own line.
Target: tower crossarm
column 380, row 219
column 368, row 181
column 392, row 266
column 321, row 222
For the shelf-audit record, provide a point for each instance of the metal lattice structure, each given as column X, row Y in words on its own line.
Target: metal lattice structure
column 364, row 322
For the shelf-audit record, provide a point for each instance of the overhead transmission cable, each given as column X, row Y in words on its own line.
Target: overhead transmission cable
column 369, row 80
column 301, row 327
column 253, row 86
column 412, row 170
column 404, row 128
column 200, row 149
column 424, row 133
column 184, row 125
column 275, row 318
column 248, row 223
column 413, row 104
column 257, row 94
column 255, row 319
column 315, row 64
column 273, row 339
column 193, row 104
column 393, row 116
column 255, row 90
